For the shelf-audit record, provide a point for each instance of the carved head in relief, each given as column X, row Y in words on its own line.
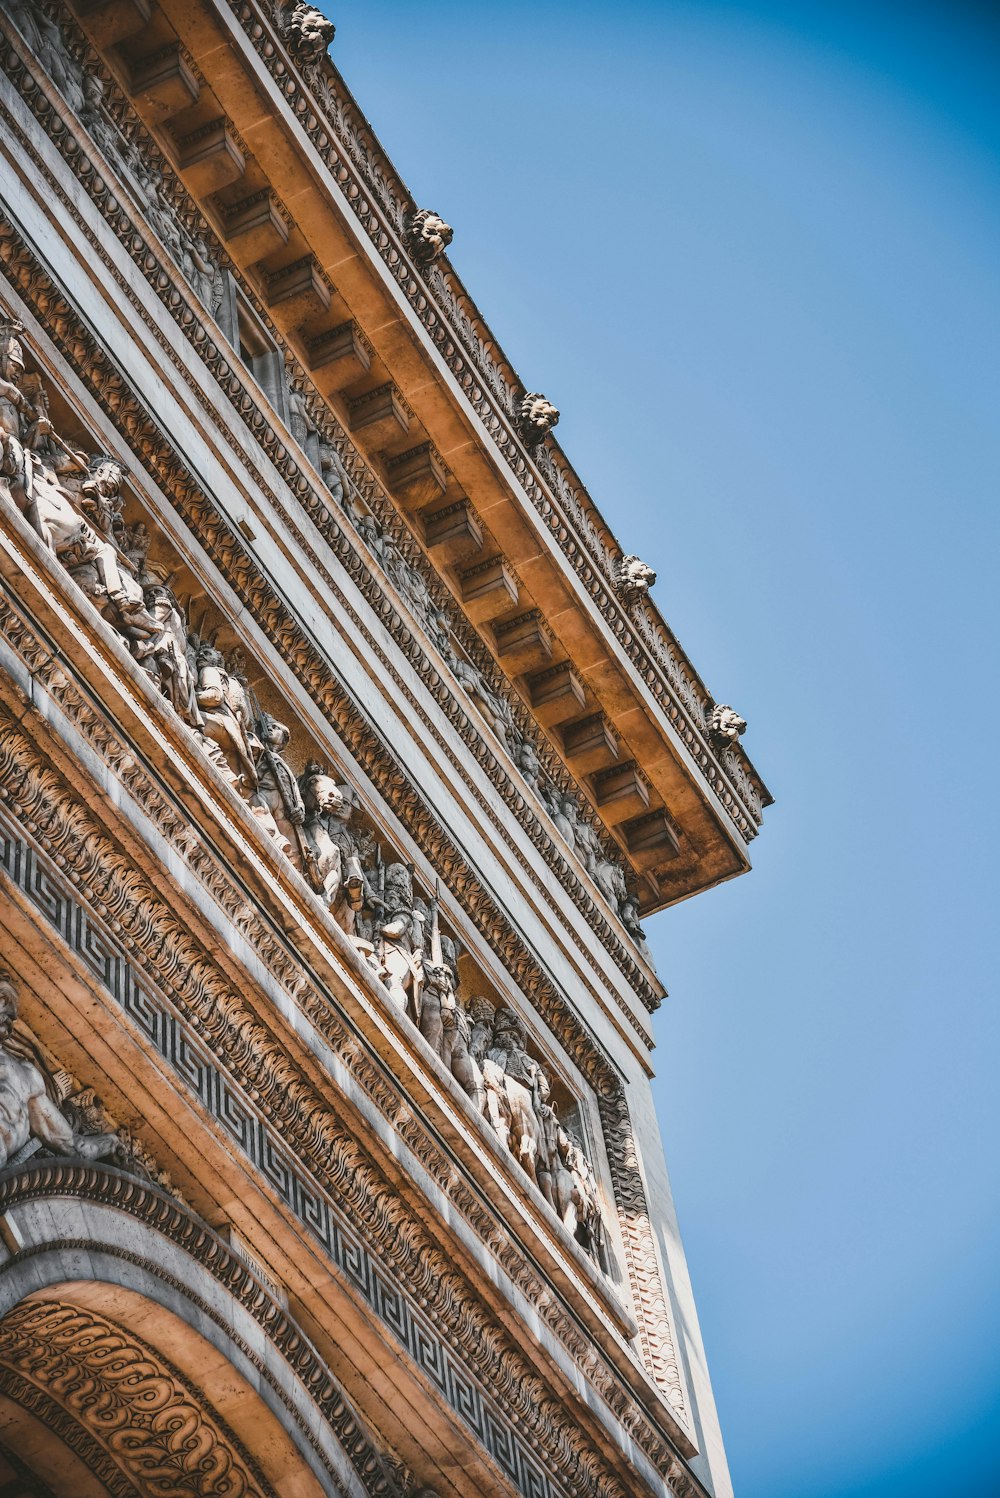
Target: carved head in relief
column 635, row 577
column 11, row 351
column 427, row 236
column 8, row 1004
column 536, row 417
column 508, row 1031
column 276, row 735
column 725, row 726
column 320, row 793
column 399, row 886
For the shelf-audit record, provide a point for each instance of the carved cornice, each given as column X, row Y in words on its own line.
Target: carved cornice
column 315, row 501
column 225, row 1048
column 337, row 130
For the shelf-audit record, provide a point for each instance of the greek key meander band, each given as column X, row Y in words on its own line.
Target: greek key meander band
column 197, row 1072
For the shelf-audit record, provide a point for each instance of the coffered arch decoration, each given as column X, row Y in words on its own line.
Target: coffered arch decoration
column 140, row 1356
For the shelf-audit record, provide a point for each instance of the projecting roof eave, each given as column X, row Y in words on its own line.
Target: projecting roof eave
column 434, row 407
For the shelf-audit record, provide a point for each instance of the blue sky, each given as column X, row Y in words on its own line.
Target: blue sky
column 751, row 252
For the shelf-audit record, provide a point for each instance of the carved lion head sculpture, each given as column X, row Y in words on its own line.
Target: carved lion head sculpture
column 427, row 235
column 635, row 577
column 725, row 725
column 536, row 417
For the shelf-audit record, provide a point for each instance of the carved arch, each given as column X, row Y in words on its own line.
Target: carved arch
column 134, row 1337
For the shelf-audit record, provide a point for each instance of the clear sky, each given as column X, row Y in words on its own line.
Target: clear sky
column 752, row 251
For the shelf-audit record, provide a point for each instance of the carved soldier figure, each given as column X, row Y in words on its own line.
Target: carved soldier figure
column 321, row 800
column 481, row 1015
column 165, row 654
column 226, row 711
column 277, row 800
column 457, row 1054
column 356, row 854
column 554, row 1175
column 26, row 1110
column 401, row 939
column 518, row 1086
column 589, row 1222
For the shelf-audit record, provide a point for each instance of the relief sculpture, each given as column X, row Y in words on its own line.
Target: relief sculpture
column 76, row 506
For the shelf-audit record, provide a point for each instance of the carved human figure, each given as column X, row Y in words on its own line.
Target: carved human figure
column 481, row 1016
column 493, row 708
column 277, row 799
column 223, row 702
column 26, row 1110
column 519, row 1086
column 554, row 1175
column 321, row 800
column 457, row 1054
column 589, row 1230
column 401, row 939
column 528, row 762
column 46, row 43
column 165, row 654
column 357, row 895
column 334, row 473
column 566, row 817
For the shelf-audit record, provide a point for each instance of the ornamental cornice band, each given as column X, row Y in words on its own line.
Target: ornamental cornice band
column 458, row 329
column 317, row 508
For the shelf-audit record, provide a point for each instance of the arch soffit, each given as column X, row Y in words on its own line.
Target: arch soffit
column 212, row 1327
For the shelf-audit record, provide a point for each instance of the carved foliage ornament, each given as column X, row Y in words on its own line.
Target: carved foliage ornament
column 136, row 1407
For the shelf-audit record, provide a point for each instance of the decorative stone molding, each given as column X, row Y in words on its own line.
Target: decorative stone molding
column 234, row 1040
column 452, row 321
column 140, row 1413
column 292, row 1137
column 54, row 1180
column 116, row 399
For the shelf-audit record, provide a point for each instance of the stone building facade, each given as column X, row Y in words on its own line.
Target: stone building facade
column 342, row 751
